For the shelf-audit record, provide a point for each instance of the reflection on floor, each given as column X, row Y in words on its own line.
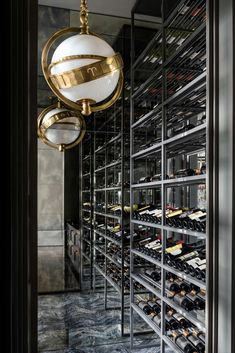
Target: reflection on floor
column 78, row 323
column 54, row 271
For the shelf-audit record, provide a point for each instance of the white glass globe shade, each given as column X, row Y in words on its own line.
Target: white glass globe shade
column 64, row 132
column 84, row 44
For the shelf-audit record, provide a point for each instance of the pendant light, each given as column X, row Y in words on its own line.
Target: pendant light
column 85, row 73
column 61, row 128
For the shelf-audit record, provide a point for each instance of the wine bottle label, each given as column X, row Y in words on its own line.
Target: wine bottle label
column 193, row 261
column 182, row 342
column 201, row 262
column 152, row 243
column 197, row 214
column 201, row 295
column 191, row 296
column 179, row 298
column 202, row 267
column 183, row 9
column 194, row 340
column 173, row 249
column 156, row 247
column 202, row 337
column 157, row 319
column 168, row 317
column 178, row 317
column 142, row 305
column 188, row 255
column 144, row 241
column 150, row 272
column 144, row 208
column 155, row 212
column 174, row 213
column 152, row 304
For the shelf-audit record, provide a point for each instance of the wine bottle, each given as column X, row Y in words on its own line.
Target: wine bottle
column 173, row 324
column 145, row 307
column 182, row 342
column 157, row 319
column 198, row 303
column 200, row 271
column 145, row 179
column 184, row 323
column 156, row 307
column 155, row 275
column 171, row 215
column 182, row 129
column 184, row 172
column 196, row 342
column 172, row 286
column 183, row 301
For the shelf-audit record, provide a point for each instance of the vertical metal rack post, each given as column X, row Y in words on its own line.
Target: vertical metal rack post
column 174, row 92
column 86, row 177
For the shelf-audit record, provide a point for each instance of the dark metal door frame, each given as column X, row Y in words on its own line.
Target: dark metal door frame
column 22, row 240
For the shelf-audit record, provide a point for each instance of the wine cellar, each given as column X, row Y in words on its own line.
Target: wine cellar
column 135, row 146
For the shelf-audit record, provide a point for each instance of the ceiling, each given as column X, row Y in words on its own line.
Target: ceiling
column 120, row 8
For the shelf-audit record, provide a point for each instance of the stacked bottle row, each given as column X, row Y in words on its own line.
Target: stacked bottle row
column 193, row 219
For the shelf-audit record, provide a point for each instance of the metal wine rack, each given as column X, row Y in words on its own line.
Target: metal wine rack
column 168, row 132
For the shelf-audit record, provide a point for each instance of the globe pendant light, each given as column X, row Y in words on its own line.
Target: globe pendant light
column 85, row 72
column 61, row 128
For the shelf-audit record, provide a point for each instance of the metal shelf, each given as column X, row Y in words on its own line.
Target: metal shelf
column 113, row 284
column 148, row 150
column 184, row 135
column 179, row 138
column 171, row 344
column 108, row 166
column 86, row 210
column 107, row 215
column 183, row 180
column 183, row 275
column 199, row 79
column 86, row 241
column 171, row 229
column 86, row 174
column 146, row 319
column 109, row 188
column 108, row 143
column 186, row 43
column 146, row 257
column 86, row 226
column 86, row 257
column 146, row 117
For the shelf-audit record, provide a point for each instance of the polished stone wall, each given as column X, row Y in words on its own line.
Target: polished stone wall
column 50, row 161
column 51, row 266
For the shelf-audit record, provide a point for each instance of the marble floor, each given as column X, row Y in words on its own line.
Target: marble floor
column 78, row 323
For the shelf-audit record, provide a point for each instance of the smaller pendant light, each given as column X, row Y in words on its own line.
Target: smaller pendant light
column 60, row 127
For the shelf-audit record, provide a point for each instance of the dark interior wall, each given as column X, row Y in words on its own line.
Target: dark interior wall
column 22, row 241
column 71, row 184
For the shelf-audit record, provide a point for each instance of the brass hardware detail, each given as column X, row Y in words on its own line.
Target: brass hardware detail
column 88, row 73
column 84, row 17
